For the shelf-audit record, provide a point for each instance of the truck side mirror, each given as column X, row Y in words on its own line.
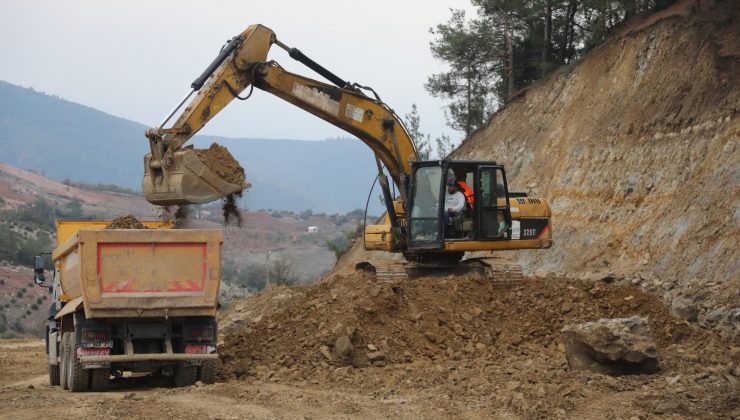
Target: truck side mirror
column 38, row 270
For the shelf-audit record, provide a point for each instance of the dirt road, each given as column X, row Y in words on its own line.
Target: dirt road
column 25, row 394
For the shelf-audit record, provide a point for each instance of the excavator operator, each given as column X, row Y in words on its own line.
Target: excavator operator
column 454, row 201
column 467, row 192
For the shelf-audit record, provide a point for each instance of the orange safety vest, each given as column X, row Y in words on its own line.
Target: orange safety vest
column 467, row 192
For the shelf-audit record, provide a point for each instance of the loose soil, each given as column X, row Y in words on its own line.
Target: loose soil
column 218, row 159
column 126, row 222
column 231, row 210
column 454, row 348
column 181, row 216
column 475, row 349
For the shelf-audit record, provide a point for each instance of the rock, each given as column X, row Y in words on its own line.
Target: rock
column 609, row 278
column 671, row 407
column 735, row 354
column 343, row 347
column 566, row 307
column 376, row 356
column 373, row 290
column 372, row 347
column 432, row 337
column 611, row 346
column 325, row 352
column 684, row 308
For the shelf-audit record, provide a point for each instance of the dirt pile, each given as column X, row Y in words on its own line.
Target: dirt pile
column 468, row 340
column 636, row 149
column 126, row 222
column 218, row 159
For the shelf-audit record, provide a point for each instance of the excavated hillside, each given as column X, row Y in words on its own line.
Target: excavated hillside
column 636, row 149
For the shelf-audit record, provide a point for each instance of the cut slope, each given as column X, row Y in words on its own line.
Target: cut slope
column 636, row 149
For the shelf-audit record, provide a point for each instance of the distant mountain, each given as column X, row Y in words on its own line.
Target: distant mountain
column 66, row 140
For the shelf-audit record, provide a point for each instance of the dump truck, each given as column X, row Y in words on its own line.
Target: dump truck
column 131, row 300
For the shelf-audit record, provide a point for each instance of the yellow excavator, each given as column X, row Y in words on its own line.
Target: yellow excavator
column 415, row 223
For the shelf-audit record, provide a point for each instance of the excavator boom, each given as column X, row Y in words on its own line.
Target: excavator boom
column 174, row 175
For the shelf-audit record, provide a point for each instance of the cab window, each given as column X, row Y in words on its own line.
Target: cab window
column 424, row 219
column 494, row 213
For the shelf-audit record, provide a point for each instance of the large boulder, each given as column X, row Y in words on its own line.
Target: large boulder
column 611, row 346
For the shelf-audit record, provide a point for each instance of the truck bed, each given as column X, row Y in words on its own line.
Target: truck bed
column 142, row 272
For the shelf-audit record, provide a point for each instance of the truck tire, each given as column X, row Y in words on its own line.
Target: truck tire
column 53, row 374
column 63, row 371
column 185, row 375
column 99, row 379
column 78, row 379
column 207, row 372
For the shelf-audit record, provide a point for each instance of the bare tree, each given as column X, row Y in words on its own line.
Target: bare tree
column 282, row 271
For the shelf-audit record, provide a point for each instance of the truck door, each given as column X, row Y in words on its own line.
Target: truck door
column 492, row 198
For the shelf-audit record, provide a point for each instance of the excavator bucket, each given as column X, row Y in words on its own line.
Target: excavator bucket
column 186, row 180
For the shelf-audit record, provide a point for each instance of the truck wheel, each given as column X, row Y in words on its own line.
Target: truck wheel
column 63, row 371
column 78, row 378
column 185, row 375
column 207, row 372
column 99, row 379
column 53, row 374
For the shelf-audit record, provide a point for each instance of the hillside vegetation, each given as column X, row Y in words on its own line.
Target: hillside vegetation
column 636, row 148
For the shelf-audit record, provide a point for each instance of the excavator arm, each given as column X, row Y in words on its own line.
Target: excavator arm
column 174, row 176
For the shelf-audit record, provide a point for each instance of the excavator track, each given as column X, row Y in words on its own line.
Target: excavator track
column 503, row 273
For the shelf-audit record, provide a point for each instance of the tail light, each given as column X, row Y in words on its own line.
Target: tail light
column 96, row 338
column 199, row 334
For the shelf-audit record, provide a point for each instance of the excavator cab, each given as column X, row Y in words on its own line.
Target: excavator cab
column 487, row 219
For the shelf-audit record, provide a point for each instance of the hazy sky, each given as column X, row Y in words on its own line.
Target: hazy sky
column 136, row 59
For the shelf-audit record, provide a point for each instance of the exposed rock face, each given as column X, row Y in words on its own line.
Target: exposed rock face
column 636, row 150
column 612, row 346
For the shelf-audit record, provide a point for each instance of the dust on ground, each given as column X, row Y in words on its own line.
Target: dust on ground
column 125, row 222
column 218, row 159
